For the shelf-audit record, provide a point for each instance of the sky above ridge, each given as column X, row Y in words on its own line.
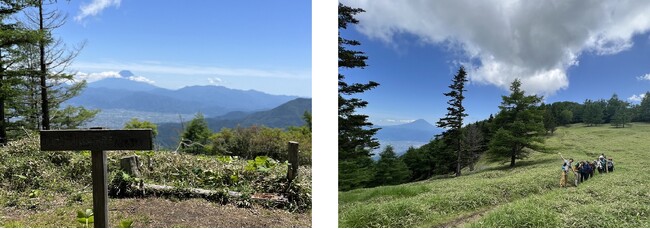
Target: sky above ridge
column 260, row 45
column 562, row 50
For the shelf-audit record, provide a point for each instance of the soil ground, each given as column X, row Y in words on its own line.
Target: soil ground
column 160, row 212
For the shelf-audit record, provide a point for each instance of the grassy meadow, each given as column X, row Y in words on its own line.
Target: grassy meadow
column 526, row 196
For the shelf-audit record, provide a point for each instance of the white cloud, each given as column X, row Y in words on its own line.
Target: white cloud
column 141, row 79
column 95, row 76
column 215, row 80
column 91, row 77
column 636, row 98
column 151, row 67
column 399, row 120
column 536, row 41
column 95, row 7
column 644, row 77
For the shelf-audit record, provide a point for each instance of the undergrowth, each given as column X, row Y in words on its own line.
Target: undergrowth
column 525, row 196
column 31, row 180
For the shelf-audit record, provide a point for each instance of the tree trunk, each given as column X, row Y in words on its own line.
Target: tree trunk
column 512, row 159
column 130, row 165
column 3, row 123
column 45, row 102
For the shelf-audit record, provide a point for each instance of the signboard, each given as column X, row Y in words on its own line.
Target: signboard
column 96, row 139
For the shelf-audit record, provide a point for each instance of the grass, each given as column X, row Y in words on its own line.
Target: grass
column 525, row 196
column 46, row 189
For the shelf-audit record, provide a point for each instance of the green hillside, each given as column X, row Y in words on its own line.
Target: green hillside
column 526, row 196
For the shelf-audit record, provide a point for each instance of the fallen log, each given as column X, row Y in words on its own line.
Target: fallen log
column 208, row 194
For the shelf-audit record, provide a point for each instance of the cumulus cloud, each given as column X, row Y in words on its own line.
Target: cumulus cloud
column 536, row 41
column 644, row 77
column 636, row 98
column 91, row 77
column 95, row 7
column 95, row 76
column 141, row 79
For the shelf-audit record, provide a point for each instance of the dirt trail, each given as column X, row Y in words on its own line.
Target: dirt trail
column 474, row 216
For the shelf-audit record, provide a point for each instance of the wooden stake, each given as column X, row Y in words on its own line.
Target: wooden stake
column 292, row 171
column 100, row 188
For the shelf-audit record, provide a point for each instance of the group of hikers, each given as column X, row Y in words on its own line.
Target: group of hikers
column 584, row 170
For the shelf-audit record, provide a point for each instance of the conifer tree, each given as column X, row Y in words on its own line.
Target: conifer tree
column 455, row 113
column 12, row 35
column 356, row 134
column 644, row 108
column 593, row 112
column 519, row 125
column 48, row 60
column 390, row 170
column 196, row 135
column 622, row 115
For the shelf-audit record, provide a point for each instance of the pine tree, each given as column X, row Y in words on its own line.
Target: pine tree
column 644, row 108
column 622, row 115
column 550, row 123
column 390, row 170
column 613, row 105
column 519, row 125
column 12, row 35
column 196, row 135
column 593, row 112
column 48, row 60
column 356, row 134
column 455, row 113
column 472, row 144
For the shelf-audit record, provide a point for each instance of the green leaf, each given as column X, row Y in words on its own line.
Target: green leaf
column 21, row 177
column 82, row 220
column 91, row 219
column 126, row 223
column 89, row 212
column 81, row 215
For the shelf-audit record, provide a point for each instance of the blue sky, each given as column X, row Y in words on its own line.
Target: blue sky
column 561, row 50
column 260, row 45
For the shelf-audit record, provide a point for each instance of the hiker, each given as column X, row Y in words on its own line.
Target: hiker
column 584, row 171
column 610, row 165
column 603, row 162
column 576, row 172
column 592, row 169
column 565, row 170
column 579, row 170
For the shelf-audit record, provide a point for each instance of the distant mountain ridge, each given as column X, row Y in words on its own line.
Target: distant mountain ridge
column 403, row 136
column 419, row 130
column 283, row 116
column 122, row 93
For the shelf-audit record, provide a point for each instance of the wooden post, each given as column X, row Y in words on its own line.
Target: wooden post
column 100, row 188
column 97, row 140
column 292, row 171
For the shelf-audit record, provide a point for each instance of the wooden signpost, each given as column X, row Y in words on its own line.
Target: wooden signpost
column 97, row 140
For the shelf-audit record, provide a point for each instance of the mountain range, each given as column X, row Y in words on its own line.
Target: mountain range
column 288, row 114
column 418, row 130
column 126, row 94
column 403, row 136
column 123, row 98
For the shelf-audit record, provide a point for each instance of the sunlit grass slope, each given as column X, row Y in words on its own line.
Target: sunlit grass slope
column 526, row 196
